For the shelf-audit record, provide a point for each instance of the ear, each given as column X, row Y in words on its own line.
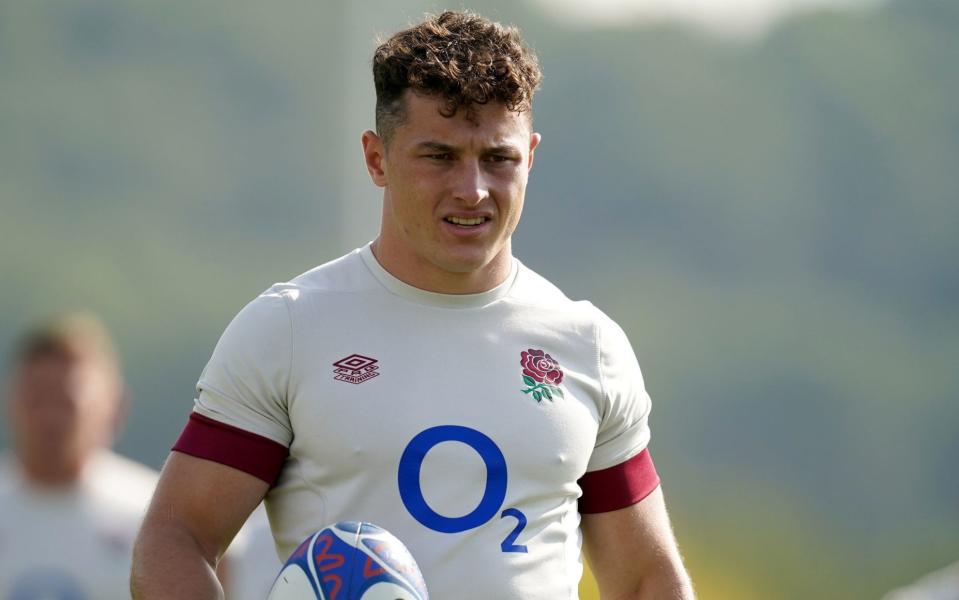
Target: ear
column 534, row 139
column 374, row 151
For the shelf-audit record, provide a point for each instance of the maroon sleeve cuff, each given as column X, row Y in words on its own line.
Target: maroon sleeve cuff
column 619, row 486
column 210, row 439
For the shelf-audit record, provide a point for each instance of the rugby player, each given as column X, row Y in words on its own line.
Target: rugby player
column 428, row 382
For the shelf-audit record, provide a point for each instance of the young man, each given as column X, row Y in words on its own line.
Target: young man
column 69, row 508
column 428, row 382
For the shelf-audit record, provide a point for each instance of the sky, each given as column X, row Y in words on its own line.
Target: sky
column 727, row 18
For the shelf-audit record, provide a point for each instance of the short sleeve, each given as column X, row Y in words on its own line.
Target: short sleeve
column 246, row 381
column 624, row 428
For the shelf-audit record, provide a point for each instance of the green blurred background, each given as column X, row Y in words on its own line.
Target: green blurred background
column 773, row 219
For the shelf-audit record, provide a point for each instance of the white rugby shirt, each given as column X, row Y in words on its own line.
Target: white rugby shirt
column 475, row 428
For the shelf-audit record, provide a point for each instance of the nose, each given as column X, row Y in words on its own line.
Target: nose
column 471, row 186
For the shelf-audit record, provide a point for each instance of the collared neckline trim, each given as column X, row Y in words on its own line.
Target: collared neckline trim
column 420, row 296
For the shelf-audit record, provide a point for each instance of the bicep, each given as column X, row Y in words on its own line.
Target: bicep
column 627, row 547
column 205, row 499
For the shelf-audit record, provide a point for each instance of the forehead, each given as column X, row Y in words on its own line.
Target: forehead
column 482, row 125
column 58, row 364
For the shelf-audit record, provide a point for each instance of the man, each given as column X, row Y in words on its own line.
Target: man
column 428, row 382
column 69, row 508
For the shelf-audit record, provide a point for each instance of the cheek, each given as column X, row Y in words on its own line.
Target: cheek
column 515, row 211
column 415, row 194
column 405, row 206
column 515, row 191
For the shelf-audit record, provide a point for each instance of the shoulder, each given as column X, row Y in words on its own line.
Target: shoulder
column 532, row 288
column 272, row 309
column 584, row 324
column 535, row 291
column 345, row 274
column 277, row 306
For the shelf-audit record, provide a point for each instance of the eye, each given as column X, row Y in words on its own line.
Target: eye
column 442, row 156
column 500, row 158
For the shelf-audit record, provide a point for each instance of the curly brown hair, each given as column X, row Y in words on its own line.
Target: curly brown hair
column 461, row 57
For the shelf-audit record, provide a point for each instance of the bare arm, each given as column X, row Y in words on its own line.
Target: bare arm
column 197, row 508
column 633, row 554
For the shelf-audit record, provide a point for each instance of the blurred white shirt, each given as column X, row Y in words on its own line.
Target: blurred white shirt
column 252, row 560
column 73, row 543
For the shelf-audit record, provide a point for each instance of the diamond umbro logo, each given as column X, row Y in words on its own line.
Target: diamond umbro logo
column 355, row 369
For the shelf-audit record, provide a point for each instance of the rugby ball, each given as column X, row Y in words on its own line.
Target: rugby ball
column 350, row 561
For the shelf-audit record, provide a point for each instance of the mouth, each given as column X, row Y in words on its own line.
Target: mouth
column 467, row 222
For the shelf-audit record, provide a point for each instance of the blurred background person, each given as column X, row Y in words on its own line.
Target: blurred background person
column 69, row 507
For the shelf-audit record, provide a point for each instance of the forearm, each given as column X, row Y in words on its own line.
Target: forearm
column 168, row 563
column 672, row 584
column 633, row 553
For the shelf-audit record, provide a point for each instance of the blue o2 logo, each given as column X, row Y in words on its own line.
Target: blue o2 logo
column 494, row 493
column 409, row 478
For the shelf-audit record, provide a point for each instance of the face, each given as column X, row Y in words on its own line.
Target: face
column 453, row 193
column 62, row 409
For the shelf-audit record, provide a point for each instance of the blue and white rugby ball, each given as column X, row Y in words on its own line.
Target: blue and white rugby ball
column 350, row 561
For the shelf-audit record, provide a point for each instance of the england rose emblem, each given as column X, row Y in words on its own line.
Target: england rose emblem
column 542, row 374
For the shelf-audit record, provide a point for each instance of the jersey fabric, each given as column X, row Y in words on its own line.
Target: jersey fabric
column 74, row 543
column 463, row 424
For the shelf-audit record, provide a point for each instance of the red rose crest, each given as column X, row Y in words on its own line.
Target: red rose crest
column 542, row 374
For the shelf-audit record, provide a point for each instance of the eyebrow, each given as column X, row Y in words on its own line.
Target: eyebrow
column 503, row 149
column 440, row 147
column 435, row 147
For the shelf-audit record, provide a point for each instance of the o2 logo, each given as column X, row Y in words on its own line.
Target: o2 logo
column 411, row 462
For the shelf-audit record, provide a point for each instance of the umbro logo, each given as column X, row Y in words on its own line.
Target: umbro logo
column 355, row 369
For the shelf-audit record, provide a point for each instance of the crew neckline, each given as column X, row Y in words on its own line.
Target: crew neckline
column 421, row 296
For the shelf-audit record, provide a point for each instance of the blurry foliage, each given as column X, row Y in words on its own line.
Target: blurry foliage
column 776, row 226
